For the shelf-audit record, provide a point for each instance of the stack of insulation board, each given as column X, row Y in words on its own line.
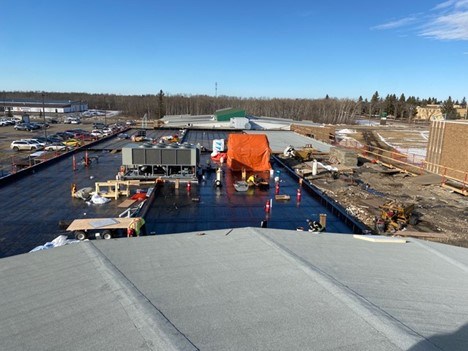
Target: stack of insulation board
column 344, row 156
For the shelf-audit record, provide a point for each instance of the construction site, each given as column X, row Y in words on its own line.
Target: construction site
column 393, row 173
column 365, row 179
column 204, row 237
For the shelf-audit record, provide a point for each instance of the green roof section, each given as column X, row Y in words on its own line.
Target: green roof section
column 225, row 114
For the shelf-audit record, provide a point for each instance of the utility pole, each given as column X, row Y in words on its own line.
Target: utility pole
column 216, row 89
column 43, row 116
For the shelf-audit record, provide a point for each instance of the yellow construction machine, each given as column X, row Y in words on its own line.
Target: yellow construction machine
column 395, row 216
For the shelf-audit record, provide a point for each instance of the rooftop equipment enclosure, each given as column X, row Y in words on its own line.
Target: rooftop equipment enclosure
column 165, row 160
column 248, row 151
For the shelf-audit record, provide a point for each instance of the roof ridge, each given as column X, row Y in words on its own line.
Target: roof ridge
column 155, row 328
column 446, row 258
column 393, row 329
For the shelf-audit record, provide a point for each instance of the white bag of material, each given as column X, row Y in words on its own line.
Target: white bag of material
column 61, row 240
column 98, row 200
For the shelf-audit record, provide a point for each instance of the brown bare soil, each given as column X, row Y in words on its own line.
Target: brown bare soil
column 442, row 212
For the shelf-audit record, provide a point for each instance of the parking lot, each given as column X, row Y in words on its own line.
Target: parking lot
column 8, row 134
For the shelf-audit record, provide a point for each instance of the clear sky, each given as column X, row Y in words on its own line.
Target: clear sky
column 294, row 49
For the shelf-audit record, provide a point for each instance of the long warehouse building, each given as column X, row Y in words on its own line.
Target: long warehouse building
column 37, row 106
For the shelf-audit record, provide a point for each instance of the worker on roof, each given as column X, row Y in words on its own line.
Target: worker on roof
column 253, row 179
column 135, row 226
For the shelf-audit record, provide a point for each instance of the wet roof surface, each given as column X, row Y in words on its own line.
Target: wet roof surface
column 39, row 201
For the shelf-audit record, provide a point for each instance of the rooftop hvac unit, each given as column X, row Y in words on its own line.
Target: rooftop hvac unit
column 171, row 155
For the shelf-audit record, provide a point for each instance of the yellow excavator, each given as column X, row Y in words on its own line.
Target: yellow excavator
column 395, row 216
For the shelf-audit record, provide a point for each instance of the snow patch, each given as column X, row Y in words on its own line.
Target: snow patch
column 414, row 154
column 346, row 131
column 367, row 122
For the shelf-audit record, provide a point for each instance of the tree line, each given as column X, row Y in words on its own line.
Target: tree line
column 323, row 110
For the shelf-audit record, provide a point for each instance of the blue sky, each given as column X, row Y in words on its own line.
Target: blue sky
column 295, row 49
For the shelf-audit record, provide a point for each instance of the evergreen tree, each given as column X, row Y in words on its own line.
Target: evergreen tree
column 388, row 105
column 463, row 103
column 448, row 109
column 374, row 103
column 360, row 106
column 365, row 109
column 161, row 105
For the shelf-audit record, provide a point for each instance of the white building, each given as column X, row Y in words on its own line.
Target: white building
column 37, row 106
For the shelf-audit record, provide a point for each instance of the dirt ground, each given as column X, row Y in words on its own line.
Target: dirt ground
column 440, row 210
column 442, row 213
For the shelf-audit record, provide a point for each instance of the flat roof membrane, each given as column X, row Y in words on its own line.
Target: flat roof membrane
column 207, row 207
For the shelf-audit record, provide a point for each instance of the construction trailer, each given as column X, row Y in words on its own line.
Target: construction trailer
column 160, row 161
column 104, row 228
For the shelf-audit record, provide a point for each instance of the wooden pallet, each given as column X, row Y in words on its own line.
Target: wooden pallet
column 282, row 197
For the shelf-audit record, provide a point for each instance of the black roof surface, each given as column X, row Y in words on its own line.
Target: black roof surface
column 39, row 201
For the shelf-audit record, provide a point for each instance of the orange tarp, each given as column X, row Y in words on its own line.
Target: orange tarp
column 248, row 151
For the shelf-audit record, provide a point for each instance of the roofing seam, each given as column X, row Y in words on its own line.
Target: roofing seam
column 154, row 327
column 393, row 329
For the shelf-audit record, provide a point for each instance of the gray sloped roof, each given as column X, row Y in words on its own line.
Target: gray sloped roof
column 279, row 140
column 244, row 289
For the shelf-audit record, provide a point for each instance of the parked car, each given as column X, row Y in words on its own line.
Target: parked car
column 72, row 120
column 83, row 136
column 23, row 126
column 51, row 120
column 56, row 147
column 97, row 133
column 36, row 142
column 123, row 136
column 40, row 125
column 99, row 125
column 18, row 145
column 34, row 125
column 6, row 122
column 107, row 131
column 49, row 140
column 72, row 143
column 65, row 135
column 55, row 139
